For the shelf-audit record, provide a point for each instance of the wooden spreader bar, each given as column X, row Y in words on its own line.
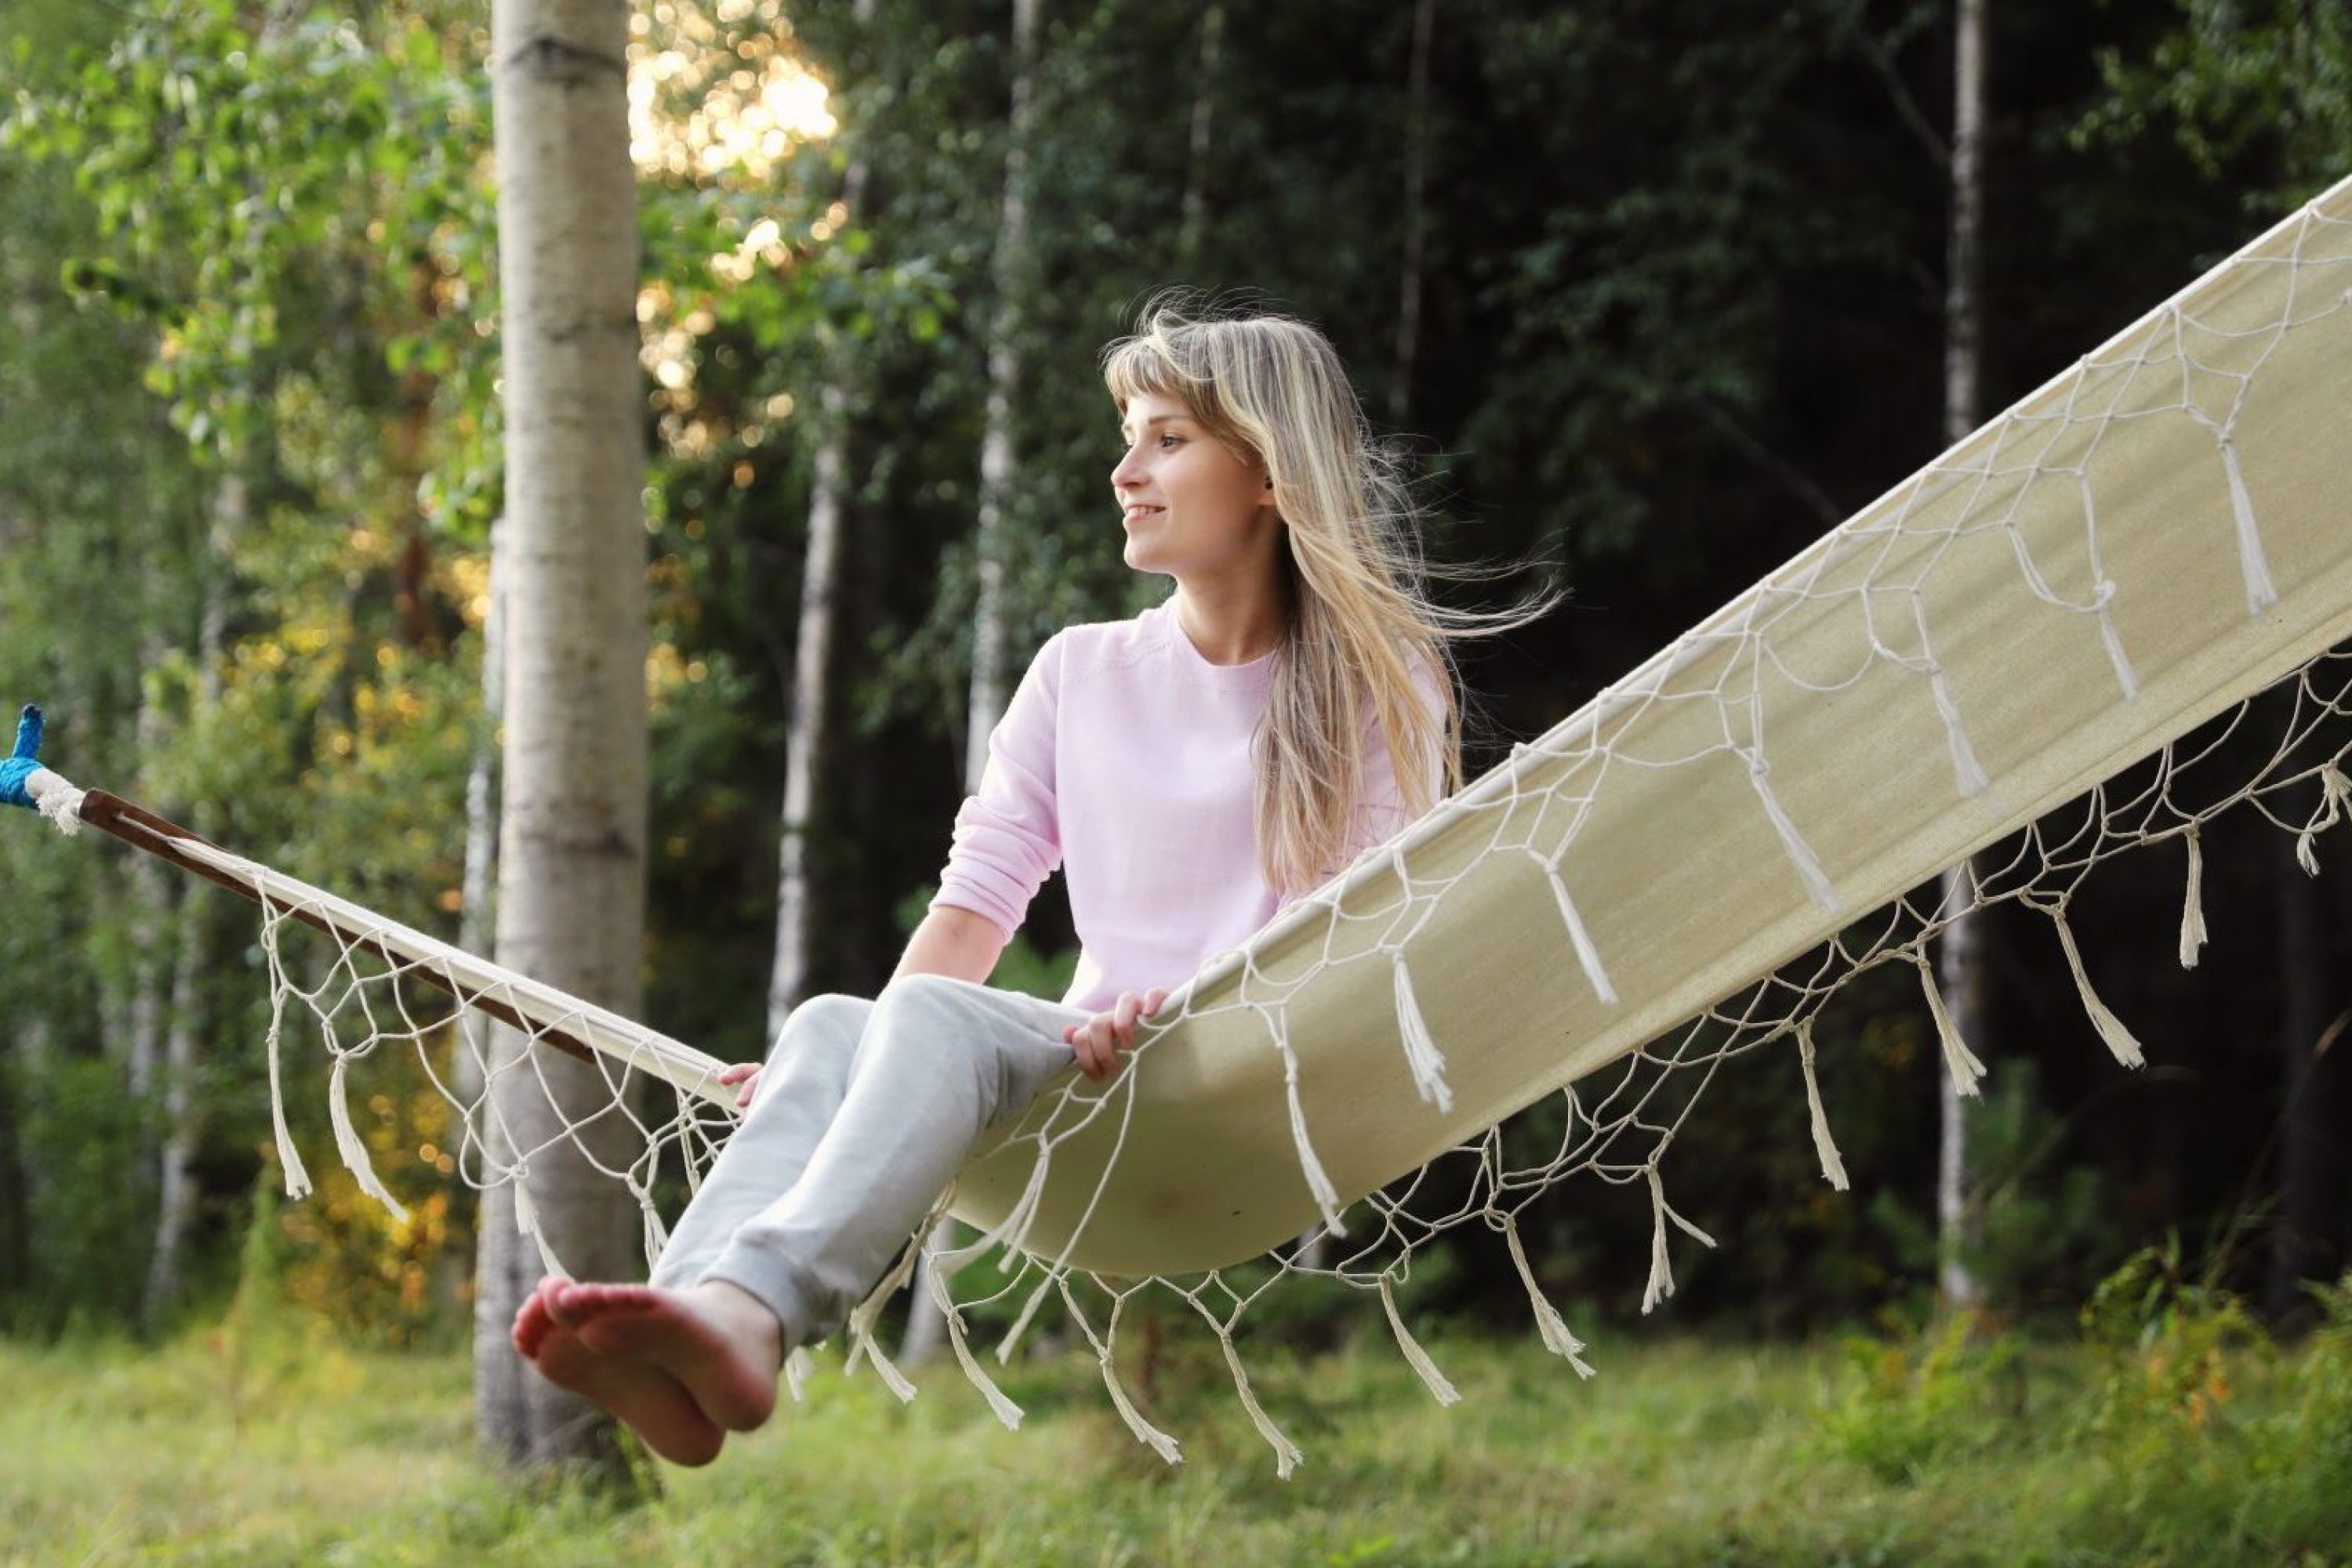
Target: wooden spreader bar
column 142, row 829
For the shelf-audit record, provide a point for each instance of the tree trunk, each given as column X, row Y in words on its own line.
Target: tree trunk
column 1204, row 102
column 812, row 652
column 1416, row 176
column 1963, row 966
column 925, row 1327
column 2306, row 1237
column 478, row 923
column 571, row 885
column 176, row 1192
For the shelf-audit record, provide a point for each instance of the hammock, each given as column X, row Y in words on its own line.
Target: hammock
column 2007, row 648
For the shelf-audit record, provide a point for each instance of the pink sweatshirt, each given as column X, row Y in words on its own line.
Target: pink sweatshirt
column 1125, row 758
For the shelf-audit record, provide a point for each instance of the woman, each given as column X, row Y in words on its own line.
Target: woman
column 1194, row 770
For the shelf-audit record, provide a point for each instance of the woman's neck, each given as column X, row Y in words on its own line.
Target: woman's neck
column 1232, row 625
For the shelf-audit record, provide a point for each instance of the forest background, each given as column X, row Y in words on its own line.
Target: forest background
column 1653, row 302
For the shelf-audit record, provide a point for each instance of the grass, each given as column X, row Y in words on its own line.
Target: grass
column 208, row 1451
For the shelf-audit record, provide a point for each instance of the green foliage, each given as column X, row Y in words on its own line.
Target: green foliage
column 2162, row 1340
column 1910, row 1399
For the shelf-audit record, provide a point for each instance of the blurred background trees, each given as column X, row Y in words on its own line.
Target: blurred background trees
column 1654, row 305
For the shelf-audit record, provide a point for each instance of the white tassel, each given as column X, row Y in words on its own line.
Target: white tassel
column 2192, row 908
column 526, row 1216
column 1287, row 1453
column 1004, row 1346
column 2261, row 593
column 1586, row 954
column 298, row 1179
column 348, row 1145
column 797, row 1367
column 656, row 1234
column 1662, row 1274
column 1967, row 772
column 1327, row 1197
column 1832, row 1167
column 1801, row 854
column 1961, row 1062
column 2111, row 1029
column 887, row 1368
column 1443, row 1390
column 1006, row 1411
column 1420, row 1052
column 1152, row 1437
column 2334, row 791
column 1557, row 1336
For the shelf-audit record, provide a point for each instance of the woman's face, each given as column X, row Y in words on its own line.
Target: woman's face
column 1190, row 508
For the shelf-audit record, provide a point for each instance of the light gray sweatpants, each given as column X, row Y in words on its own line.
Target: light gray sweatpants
column 864, row 1113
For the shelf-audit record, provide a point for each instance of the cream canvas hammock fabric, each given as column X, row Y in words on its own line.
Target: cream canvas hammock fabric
column 2007, row 648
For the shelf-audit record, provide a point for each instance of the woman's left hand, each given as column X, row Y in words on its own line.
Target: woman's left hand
column 1099, row 1040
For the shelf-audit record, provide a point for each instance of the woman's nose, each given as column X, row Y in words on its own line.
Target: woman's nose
column 1128, row 473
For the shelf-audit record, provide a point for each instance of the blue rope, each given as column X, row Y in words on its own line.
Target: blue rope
column 24, row 763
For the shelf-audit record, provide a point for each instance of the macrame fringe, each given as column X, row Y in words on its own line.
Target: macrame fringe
column 2335, row 789
column 1662, row 1273
column 2110, row 1027
column 1006, row 1411
column 1020, row 1322
column 1587, row 954
column 290, row 1160
column 2192, row 907
column 1418, row 1359
column 1968, row 774
column 526, row 1216
column 1557, row 1336
column 1832, row 1166
column 1152, row 1437
column 1327, row 1197
column 1286, row 1454
column 656, row 1234
column 1961, row 1062
column 797, row 1367
column 2260, row 593
column 1420, row 1052
column 1801, row 854
column 862, row 1342
column 349, row 1145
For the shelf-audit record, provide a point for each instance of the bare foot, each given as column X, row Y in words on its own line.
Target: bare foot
column 721, row 1342
column 656, row 1405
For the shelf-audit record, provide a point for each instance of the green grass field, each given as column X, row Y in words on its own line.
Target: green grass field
column 2178, row 1449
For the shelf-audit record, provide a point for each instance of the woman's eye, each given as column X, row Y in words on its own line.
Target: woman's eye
column 1168, row 441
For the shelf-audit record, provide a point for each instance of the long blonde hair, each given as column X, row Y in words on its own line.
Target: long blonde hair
column 1271, row 386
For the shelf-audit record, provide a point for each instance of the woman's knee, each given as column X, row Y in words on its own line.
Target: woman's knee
column 821, row 1031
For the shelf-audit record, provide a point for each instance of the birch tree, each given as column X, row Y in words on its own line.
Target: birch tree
column 813, row 643
column 1962, row 963
column 573, row 816
column 997, row 474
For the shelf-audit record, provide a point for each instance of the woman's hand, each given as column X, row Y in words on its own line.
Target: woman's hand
column 1099, row 1040
column 746, row 1074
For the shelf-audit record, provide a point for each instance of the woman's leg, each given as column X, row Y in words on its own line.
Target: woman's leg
column 940, row 1061
column 799, row 1090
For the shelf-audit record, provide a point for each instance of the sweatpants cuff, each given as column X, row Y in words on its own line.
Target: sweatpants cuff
column 775, row 1281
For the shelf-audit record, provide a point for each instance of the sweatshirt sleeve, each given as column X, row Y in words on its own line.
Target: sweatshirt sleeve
column 1008, row 835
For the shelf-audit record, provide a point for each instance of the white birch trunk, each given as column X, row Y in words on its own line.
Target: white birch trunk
column 812, row 653
column 476, row 923
column 925, row 1327
column 570, row 886
column 1962, row 964
column 176, row 1192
